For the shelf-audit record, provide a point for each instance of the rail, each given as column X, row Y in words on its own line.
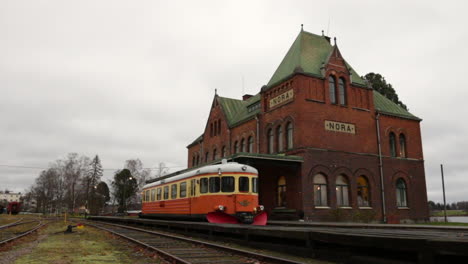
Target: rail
column 13, row 236
column 185, row 250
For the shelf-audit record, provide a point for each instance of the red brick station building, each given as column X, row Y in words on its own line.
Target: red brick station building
column 327, row 146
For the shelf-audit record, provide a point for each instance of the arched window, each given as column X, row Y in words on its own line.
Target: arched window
column 251, row 143
column 392, row 144
column 320, row 190
column 223, row 150
column 279, row 138
column 401, row 193
column 363, row 194
column 289, row 135
column 402, row 146
column 281, row 192
column 219, row 127
column 194, row 159
column 342, row 194
column 270, row 141
column 211, row 129
column 243, row 145
column 236, row 147
column 332, row 89
column 214, row 154
column 207, row 154
column 198, row 159
column 342, row 91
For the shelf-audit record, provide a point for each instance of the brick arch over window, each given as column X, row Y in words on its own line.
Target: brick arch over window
column 317, row 169
column 408, row 182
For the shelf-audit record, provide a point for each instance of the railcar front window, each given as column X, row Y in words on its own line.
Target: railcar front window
column 158, row 194
column 183, row 189
column 243, row 184
column 173, row 191
column 147, row 194
column 204, row 185
column 166, row 192
column 227, row 184
column 153, row 195
column 255, row 185
column 214, row 184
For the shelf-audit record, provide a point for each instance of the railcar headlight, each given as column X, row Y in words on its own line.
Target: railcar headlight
column 261, row 207
column 221, row 207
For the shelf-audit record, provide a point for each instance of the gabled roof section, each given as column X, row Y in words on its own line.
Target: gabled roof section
column 385, row 106
column 196, row 141
column 307, row 54
column 237, row 111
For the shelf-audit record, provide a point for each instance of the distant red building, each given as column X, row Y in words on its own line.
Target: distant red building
column 323, row 141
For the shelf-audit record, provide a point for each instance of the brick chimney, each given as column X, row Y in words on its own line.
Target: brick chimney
column 246, row 96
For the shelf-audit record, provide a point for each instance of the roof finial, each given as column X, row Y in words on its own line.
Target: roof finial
column 216, row 91
column 302, row 27
column 323, row 33
column 334, row 40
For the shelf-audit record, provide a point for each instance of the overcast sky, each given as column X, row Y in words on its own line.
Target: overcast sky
column 135, row 79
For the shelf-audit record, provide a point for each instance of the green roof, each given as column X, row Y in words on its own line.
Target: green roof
column 307, row 54
column 236, row 111
column 386, row 106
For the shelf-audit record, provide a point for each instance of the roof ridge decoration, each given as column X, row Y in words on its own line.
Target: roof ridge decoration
column 308, row 52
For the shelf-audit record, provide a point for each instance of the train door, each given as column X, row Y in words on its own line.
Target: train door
column 193, row 191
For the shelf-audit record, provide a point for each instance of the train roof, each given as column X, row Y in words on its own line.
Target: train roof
column 224, row 167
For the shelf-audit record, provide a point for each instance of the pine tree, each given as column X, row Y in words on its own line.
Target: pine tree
column 93, row 177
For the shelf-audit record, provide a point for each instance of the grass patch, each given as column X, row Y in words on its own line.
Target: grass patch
column 87, row 245
column 445, row 224
column 449, row 213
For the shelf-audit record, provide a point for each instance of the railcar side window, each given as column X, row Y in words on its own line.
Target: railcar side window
column 153, row 194
column 183, row 190
column 166, row 192
column 143, row 196
column 227, row 184
column 174, row 191
column 158, row 194
column 192, row 187
column 255, row 185
column 147, row 194
column 204, row 185
column 243, row 184
column 214, row 184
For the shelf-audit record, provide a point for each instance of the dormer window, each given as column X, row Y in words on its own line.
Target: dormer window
column 332, row 89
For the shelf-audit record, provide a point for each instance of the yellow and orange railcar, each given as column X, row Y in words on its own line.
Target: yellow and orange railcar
column 221, row 193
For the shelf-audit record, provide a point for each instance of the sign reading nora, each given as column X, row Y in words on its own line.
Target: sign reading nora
column 340, row 127
column 282, row 98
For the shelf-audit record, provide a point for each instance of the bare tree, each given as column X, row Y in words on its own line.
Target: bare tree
column 135, row 166
column 74, row 169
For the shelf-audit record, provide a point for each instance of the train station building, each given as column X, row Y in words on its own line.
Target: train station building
column 327, row 146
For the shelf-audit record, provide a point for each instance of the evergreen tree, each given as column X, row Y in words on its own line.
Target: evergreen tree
column 93, row 177
column 379, row 84
column 102, row 195
column 124, row 186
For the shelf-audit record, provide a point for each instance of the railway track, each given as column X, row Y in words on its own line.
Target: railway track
column 18, row 229
column 183, row 250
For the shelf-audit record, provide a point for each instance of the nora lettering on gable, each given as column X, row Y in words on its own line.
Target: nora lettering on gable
column 282, row 98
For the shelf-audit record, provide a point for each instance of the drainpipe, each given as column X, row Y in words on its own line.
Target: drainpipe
column 258, row 133
column 384, row 214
